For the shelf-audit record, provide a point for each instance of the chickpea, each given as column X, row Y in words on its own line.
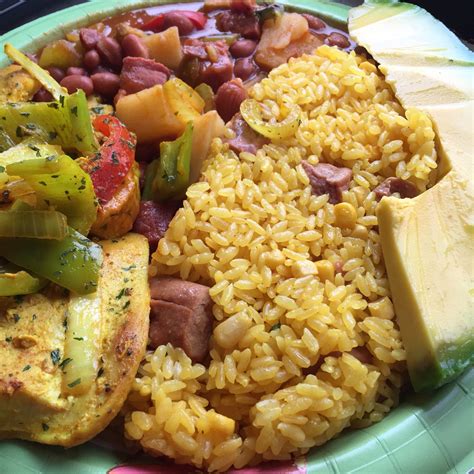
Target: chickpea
column 345, row 214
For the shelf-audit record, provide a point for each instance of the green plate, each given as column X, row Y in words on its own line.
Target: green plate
column 432, row 433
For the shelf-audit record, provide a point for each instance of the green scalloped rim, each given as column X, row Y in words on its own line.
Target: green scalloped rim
column 426, row 434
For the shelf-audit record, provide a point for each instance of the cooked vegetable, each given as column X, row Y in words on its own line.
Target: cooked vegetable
column 33, row 223
column 15, row 281
column 114, row 160
column 29, row 149
column 35, row 71
column 207, row 95
column 65, row 122
column 81, row 344
column 206, row 128
column 72, row 262
column 15, row 190
column 16, row 85
column 114, row 344
column 228, row 39
column 251, row 112
column 151, row 170
column 172, row 177
column 165, row 47
column 60, row 53
column 427, row 241
column 61, row 183
column 186, row 104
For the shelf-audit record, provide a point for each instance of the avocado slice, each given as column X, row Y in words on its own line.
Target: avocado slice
column 428, row 241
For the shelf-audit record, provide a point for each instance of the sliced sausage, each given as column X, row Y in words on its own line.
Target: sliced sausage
column 181, row 314
column 245, row 24
column 89, row 37
column 206, row 62
column 328, row 179
column 229, row 97
column 140, row 73
column 154, row 218
column 395, row 185
column 110, row 51
column 245, row 139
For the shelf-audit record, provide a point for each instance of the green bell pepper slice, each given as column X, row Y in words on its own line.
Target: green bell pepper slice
column 73, row 262
column 60, row 183
column 172, row 176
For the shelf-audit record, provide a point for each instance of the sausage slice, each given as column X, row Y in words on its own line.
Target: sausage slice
column 328, row 179
column 181, row 314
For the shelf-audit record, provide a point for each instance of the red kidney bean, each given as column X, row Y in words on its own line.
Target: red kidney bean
column 100, row 68
column 338, row 39
column 244, row 68
column 89, row 37
column 121, row 93
column 106, row 83
column 91, row 59
column 76, row 71
column 184, row 24
column 132, row 45
column 42, row 96
column 229, row 97
column 56, row 73
column 243, row 48
column 75, row 82
column 33, row 57
column 110, row 51
column 313, row 22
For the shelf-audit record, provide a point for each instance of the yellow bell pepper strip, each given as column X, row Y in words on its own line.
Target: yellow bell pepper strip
column 172, row 177
column 72, row 262
column 60, row 183
column 33, row 223
column 114, row 160
column 65, row 122
column 251, row 112
column 14, row 281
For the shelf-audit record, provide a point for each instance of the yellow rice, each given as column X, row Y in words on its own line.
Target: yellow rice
column 252, row 230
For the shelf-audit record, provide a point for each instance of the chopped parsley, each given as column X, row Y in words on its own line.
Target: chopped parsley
column 55, row 356
column 74, row 383
column 27, row 367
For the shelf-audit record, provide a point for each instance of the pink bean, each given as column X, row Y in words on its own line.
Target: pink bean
column 106, row 83
column 338, row 39
column 243, row 48
column 132, row 45
column 76, row 71
column 56, row 73
column 43, row 96
column 91, row 59
column 313, row 22
column 76, row 82
column 244, row 68
column 184, row 24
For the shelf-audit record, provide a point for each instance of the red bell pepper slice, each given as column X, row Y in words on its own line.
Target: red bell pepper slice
column 114, row 160
column 155, row 24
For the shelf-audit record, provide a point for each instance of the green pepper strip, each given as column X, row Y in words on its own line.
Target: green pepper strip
column 65, row 122
column 35, row 224
column 59, row 182
column 207, row 94
column 72, row 263
column 172, row 177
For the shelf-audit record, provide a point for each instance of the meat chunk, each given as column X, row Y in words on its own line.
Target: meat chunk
column 395, row 185
column 245, row 139
column 181, row 314
column 206, row 62
column 229, row 97
column 243, row 23
column 154, row 218
column 328, row 179
column 140, row 73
